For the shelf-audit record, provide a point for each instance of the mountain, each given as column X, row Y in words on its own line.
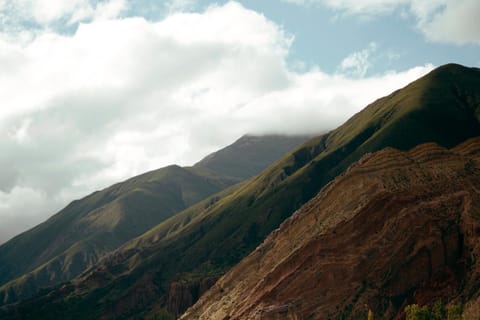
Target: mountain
column 397, row 228
column 79, row 235
column 249, row 155
column 166, row 269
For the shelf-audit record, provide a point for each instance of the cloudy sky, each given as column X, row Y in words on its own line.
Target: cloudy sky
column 93, row 92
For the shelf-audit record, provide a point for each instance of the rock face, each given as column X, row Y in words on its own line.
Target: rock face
column 184, row 294
column 396, row 228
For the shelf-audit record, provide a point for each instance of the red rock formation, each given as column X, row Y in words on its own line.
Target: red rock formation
column 184, row 294
column 396, row 228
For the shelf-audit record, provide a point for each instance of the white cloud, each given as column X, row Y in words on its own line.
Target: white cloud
column 358, row 63
column 457, row 23
column 120, row 97
column 21, row 208
column 355, row 6
column 101, row 11
column 180, row 5
column 45, row 13
column 444, row 21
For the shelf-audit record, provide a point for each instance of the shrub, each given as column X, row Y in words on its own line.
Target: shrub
column 415, row 312
column 437, row 312
column 454, row 312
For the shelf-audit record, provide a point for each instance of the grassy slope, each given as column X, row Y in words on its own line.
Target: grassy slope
column 76, row 237
column 214, row 235
column 72, row 240
column 440, row 107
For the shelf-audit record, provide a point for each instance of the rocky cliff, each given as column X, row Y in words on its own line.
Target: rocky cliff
column 396, row 228
column 183, row 294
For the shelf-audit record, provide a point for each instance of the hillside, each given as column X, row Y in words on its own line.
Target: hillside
column 79, row 235
column 249, row 155
column 171, row 265
column 397, row 228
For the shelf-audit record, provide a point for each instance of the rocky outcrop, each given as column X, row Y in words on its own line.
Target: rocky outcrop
column 396, row 228
column 183, row 294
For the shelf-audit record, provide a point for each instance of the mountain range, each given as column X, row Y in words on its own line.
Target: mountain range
column 162, row 272
column 75, row 238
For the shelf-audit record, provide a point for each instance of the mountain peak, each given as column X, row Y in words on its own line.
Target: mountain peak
column 451, row 74
column 249, row 154
column 454, row 68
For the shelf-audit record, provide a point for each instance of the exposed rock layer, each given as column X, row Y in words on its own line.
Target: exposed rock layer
column 396, row 228
column 184, row 294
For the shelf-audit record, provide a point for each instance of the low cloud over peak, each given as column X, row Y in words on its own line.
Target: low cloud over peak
column 119, row 97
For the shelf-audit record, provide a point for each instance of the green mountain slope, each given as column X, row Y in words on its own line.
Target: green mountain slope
column 172, row 264
column 76, row 237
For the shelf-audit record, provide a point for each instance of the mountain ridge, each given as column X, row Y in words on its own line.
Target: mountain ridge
column 86, row 229
column 204, row 241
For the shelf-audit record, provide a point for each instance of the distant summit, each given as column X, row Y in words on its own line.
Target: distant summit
column 249, row 155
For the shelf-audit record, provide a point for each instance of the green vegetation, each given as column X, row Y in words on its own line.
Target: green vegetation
column 76, row 237
column 438, row 311
column 414, row 312
column 454, row 312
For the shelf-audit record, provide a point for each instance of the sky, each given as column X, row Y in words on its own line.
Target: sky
column 93, row 92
